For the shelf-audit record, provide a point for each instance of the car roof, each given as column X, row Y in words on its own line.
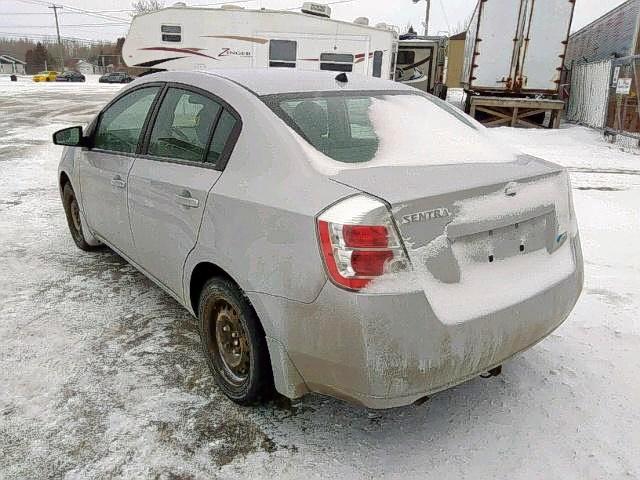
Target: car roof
column 284, row 80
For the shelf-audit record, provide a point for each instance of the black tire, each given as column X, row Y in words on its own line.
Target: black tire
column 251, row 381
column 72, row 211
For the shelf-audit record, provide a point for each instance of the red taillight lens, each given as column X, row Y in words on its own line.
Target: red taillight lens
column 370, row 263
column 356, row 254
column 365, row 236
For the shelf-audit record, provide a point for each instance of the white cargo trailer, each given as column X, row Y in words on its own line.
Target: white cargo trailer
column 517, row 46
column 192, row 38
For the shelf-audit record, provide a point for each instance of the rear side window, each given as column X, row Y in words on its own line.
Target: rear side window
column 221, row 137
column 337, row 62
column 120, row 125
column 171, row 33
column 183, row 125
column 283, row 53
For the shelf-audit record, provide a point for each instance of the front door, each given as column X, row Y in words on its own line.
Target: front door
column 169, row 186
column 104, row 169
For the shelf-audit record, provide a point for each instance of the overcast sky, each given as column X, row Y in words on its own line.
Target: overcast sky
column 32, row 17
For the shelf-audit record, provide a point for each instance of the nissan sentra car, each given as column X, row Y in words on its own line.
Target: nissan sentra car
column 345, row 235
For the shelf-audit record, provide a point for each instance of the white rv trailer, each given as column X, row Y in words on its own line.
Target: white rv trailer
column 192, row 38
column 517, row 46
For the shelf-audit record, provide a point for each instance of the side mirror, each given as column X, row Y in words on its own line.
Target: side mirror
column 70, row 137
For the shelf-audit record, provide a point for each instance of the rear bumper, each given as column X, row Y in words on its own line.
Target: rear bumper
column 385, row 351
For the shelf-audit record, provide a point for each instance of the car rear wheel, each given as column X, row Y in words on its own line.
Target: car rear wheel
column 234, row 343
column 72, row 211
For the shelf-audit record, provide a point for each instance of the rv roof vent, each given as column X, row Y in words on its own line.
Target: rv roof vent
column 231, row 7
column 361, row 21
column 382, row 25
column 179, row 5
column 316, row 9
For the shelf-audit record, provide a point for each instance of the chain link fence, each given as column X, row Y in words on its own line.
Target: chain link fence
column 589, row 93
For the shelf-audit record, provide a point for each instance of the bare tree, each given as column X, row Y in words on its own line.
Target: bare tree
column 146, row 6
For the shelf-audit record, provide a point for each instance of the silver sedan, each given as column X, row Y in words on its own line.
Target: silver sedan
column 348, row 236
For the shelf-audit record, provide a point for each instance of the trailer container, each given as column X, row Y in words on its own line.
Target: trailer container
column 517, row 46
column 196, row 38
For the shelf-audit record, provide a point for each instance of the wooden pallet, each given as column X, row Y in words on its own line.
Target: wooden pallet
column 516, row 111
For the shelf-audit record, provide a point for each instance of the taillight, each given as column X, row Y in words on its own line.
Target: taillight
column 359, row 242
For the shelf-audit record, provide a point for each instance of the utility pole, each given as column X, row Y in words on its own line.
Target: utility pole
column 426, row 17
column 60, row 48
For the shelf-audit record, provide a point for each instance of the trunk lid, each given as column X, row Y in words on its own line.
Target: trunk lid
column 454, row 218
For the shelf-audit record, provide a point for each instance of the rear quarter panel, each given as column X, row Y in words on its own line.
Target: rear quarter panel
column 259, row 221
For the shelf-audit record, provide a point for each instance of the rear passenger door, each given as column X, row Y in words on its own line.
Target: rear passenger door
column 185, row 150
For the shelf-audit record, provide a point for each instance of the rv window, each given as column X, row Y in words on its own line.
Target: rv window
column 336, row 57
column 377, row 63
column 337, row 62
column 283, row 53
column 171, row 33
column 406, row 57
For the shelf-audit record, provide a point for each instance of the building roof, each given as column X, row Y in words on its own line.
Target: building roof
column 75, row 61
column 11, row 59
column 611, row 35
column 459, row 36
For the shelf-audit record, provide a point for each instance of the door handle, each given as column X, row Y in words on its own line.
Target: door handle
column 187, row 200
column 118, row 182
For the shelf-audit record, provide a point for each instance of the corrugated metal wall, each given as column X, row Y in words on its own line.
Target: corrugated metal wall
column 613, row 33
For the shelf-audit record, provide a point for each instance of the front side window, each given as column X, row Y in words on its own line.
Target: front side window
column 383, row 128
column 183, row 125
column 120, row 125
column 171, row 33
column 337, row 62
column 283, row 53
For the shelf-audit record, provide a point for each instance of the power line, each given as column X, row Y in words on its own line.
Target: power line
column 70, row 25
column 45, row 37
column 79, row 10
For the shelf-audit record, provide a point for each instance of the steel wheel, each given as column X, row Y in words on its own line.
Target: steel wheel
column 75, row 214
column 72, row 211
column 234, row 343
column 231, row 341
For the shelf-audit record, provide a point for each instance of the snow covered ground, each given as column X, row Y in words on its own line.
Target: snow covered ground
column 101, row 373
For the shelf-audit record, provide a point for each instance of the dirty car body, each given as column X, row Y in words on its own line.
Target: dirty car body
column 388, row 245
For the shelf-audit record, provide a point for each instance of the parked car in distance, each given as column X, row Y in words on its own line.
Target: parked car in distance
column 70, row 77
column 344, row 235
column 45, row 76
column 115, row 77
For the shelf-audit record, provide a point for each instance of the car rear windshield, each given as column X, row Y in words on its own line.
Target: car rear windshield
column 358, row 127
